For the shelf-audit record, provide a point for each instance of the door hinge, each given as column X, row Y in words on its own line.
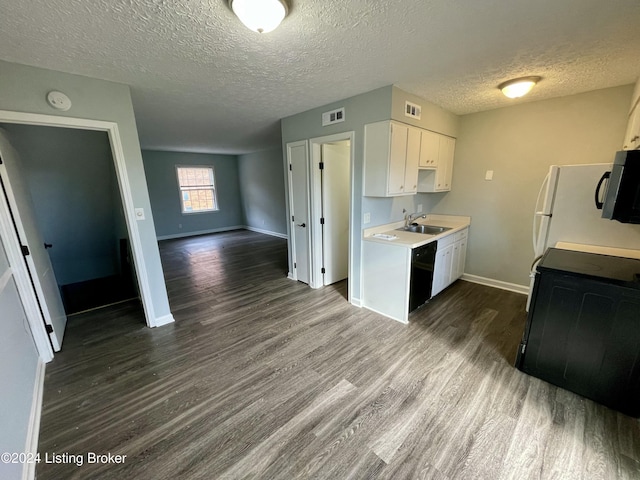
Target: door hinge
column 321, row 165
column 290, row 167
column 48, row 328
column 25, row 250
column 524, row 347
column 0, row 160
column 292, row 218
column 322, row 221
column 323, row 270
column 295, row 265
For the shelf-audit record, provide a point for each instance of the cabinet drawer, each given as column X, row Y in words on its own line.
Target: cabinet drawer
column 461, row 234
column 446, row 241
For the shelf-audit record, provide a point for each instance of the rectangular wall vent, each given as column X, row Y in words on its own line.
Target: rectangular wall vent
column 334, row 116
column 412, row 110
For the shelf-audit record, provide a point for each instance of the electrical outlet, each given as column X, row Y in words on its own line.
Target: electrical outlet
column 419, row 208
column 488, row 175
column 366, row 218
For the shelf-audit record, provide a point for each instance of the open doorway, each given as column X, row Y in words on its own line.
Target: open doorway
column 331, row 212
column 71, row 178
column 68, row 176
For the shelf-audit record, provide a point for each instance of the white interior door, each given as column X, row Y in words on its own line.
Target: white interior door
column 299, row 206
column 37, row 259
column 335, row 210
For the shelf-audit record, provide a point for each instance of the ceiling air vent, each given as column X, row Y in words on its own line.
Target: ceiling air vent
column 412, row 110
column 334, row 116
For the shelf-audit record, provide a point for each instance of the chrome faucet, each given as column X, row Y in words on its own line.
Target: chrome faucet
column 410, row 218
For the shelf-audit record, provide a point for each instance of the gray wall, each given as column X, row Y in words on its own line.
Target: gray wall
column 18, row 362
column 24, row 89
column 381, row 104
column 519, row 143
column 263, row 191
column 71, row 178
column 160, row 170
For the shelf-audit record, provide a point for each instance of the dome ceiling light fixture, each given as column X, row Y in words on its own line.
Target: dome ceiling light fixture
column 261, row 16
column 518, row 87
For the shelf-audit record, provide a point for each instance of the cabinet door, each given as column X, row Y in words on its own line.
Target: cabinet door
column 444, row 172
column 412, row 160
column 442, row 270
column 455, row 260
column 397, row 159
column 632, row 137
column 429, row 146
column 462, row 257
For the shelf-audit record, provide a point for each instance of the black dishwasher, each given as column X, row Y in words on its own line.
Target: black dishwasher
column 422, row 261
column 583, row 329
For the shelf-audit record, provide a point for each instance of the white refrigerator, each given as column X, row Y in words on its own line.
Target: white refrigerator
column 566, row 213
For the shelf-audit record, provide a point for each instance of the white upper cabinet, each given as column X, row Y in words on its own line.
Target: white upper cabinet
column 429, row 148
column 413, row 159
column 391, row 156
column 632, row 138
column 438, row 177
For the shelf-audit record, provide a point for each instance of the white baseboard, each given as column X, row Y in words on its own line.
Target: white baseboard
column 490, row 282
column 33, row 429
column 199, row 232
column 266, row 232
column 165, row 320
column 356, row 302
column 290, row 276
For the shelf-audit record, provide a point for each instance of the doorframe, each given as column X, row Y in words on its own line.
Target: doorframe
column 315, row 195
column 111, row 128
column 292, row 237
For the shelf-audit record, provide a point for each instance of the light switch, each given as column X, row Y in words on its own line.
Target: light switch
column 139, row 213
column 488, row 175
column 366, row 218
column 419, row 210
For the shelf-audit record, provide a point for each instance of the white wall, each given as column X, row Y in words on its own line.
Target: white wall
column 519, row 143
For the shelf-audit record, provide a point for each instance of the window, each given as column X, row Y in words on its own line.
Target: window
column 197, row 189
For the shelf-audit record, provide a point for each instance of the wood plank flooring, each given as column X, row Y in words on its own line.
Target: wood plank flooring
column 264, row 378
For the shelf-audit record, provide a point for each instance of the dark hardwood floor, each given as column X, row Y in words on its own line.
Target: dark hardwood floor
column 264, row 378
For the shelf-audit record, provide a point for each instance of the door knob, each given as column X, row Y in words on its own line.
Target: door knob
column 48, row 245
column 302, row 225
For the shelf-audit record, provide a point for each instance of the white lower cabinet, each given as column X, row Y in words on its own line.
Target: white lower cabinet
column 386, row 273
column 450, row 258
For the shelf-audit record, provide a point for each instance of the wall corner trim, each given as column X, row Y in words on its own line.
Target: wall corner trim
column 33, row 429
column 490, row 282
column 164, row 320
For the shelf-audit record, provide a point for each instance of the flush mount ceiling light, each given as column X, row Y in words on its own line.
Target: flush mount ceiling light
column 261, row 16
column 518, row 87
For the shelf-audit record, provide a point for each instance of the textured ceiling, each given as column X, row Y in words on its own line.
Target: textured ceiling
column 201, row 81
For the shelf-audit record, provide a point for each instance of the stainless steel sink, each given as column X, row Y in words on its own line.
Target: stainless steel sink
column 425, row 229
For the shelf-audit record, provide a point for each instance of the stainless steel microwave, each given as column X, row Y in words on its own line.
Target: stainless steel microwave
column 621, row 200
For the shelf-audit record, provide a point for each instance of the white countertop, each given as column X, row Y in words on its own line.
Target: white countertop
column 406, row 239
